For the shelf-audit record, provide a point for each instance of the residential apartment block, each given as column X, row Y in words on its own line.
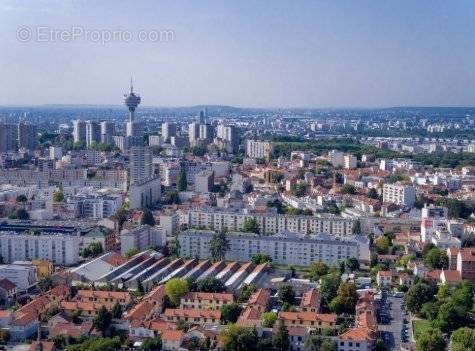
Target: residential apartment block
column 206, row 301
column 283, row 248
column 399, row 194
column 208, row 218
column 141, row 238
column 259, row 149
column 61, row 249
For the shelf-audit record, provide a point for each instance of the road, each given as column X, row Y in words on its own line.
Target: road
column 394, row 329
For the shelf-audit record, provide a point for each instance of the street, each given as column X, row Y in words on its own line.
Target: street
column 393, row 330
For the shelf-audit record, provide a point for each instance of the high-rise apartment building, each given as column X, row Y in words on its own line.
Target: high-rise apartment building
column 8, row 137
column 79, row 131
column 193, row 132
column 228, row 136
column 27, row 136
column 168, row 130
column 141, row 167
column 93, row 132
column 259, row 149
column 206, row 132
column 399, row 194
column 107, row 132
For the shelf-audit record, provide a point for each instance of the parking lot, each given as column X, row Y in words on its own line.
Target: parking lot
column 394, row 322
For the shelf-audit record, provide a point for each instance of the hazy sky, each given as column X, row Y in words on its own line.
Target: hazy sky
column 243, row 53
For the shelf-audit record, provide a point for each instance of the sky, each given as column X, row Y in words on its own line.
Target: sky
column 273, row 53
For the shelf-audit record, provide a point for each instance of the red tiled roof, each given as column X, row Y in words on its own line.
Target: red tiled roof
column 7, row 284
column 357, row 334
column 451, row 276
column 102, row 294
column 25, row 319
column 228, row 298
column 192, row 313
column 140, row 311
column 467, row 254
column 115, row 259
column 70, row 329
column 310, row 298
column 308, row 316
column 172, row 335
column 260, row 297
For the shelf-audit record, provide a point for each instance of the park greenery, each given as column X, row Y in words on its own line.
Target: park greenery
column 219, row 245
column 92, row 249
column 147, row 217
column 175, row 288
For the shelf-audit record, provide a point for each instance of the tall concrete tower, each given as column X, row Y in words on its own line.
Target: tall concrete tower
column 133, row 127
column 131, row 100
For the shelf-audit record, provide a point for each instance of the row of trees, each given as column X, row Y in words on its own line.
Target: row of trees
column 239, row 338
column 447, row 309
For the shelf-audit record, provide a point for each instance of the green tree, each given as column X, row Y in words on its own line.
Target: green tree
column 345, row 300
column 298, row 189
column 264, row 344
column 131, row 252
column 436, row 259
column 357, row 228
column 147, row 217
column 175, row 288
column 248, row 188
column 91, row 250
column 246, row 291
column 181, row 181
column 417, row 295
column 103, row 320
column 443, row 292
column 429, row 310
column 238, row 338
column 116, row 311
column 286, row 294
column 281, row 338
column 317, row 270
column 450, row 317
column 250, row 226
column 120, row 217
column 426, row 249
column 430, row 340
column 183, row 325
column 45, row 284
column 318, row 343
column 462, row 295
column 268, row 319
column 58, row 196
column 352, row 264
column 348, row 189
column 211, row 285
column 463, row 339
column 260, row 258
column 96, row 344
column 219, row 245
column 21, row 198
column 373, row 193
column 20, row 213
column 151, row 344
column 382, row 245
column 329, row 287
column 230, row 312
column 171, row 197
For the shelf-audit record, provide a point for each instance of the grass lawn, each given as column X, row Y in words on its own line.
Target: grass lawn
column 419, row 326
